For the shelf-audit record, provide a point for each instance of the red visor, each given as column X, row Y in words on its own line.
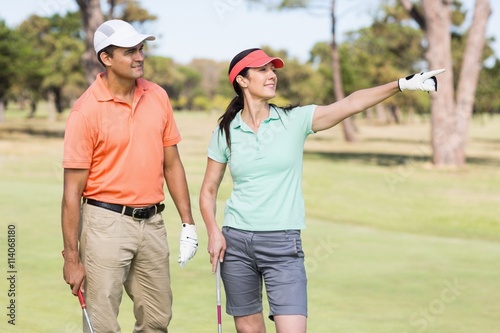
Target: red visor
column 255, row 59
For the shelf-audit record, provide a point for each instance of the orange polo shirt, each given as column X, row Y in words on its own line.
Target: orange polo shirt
column 121, row 145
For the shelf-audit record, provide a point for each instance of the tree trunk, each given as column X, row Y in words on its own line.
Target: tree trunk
column 381, row 115
column 51, row 106
column 2, row 110
column 450, row 114
column 338, row 89
column 111, row 12
column 444, row 137
column 395, row 114
column 92, row 18
column 33, row 106
column 58, row 99
column 471, row 67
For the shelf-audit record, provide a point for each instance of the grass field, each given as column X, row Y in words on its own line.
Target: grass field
column 392, row 245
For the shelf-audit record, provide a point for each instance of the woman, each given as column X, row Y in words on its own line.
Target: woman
column 263, row 146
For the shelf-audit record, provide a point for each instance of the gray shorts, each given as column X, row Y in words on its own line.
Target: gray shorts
column 275, row 257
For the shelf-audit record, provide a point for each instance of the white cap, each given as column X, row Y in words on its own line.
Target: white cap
column 118, row 33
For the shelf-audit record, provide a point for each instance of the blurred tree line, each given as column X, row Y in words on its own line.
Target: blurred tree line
column 41, row 59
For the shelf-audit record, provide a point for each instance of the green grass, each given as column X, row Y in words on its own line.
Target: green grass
column 392, row 245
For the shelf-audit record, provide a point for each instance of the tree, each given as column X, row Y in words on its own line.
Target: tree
column 210, row 72
column 377, row 54
column 451, row 108
column 299, row 84
column 488, row 99
column 49, row 60
column 62, row 46
column 92, row 18
column 183, row 83
column 338, row 91
column 6, row 57
column 131, row 11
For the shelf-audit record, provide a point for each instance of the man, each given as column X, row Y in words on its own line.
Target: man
column 120, row 146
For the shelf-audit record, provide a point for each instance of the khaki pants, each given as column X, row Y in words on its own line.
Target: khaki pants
column 119, row 252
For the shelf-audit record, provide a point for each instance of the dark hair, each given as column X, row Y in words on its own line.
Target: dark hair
column 237, row 103
column 109, row 50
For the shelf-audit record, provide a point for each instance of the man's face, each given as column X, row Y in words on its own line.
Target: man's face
column 127, row 62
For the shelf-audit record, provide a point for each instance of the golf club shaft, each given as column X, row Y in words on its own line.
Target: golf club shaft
column 217, row 285
column 84, row 308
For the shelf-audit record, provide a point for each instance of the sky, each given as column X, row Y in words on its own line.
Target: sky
column 219, row 29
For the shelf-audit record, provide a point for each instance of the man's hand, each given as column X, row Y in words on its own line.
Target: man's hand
column 425, row 81
column 188, row 243
column 73, row 272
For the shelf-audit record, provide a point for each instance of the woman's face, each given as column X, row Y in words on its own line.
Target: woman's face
column 261, row 81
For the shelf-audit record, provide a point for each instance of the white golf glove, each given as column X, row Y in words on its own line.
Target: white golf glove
column 188, row 243
column 425, row 81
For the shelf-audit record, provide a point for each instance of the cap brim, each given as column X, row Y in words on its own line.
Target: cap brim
column 277, row 62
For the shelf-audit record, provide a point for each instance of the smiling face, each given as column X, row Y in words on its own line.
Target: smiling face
column 260, row 82
column 126, row 63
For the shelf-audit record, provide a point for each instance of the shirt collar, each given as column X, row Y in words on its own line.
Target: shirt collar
column 103, row 94
column 273, row 115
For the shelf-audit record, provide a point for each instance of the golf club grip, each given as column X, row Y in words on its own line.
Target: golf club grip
column 81, row 299
column 217, row 282
column 218, row 292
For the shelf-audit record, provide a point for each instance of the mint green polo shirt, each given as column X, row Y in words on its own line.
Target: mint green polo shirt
column 266, row 168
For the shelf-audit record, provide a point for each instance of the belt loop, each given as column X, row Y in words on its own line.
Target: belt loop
column 156, row 210
column 123, row 210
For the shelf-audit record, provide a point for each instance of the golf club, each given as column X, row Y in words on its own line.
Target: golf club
column 217, row 289
column 84, row 308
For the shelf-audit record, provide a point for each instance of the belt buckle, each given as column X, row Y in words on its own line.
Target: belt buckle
column 139, row 214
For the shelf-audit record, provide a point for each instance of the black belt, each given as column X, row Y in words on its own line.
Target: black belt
column 137, row 213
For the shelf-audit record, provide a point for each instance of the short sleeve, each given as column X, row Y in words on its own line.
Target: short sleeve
column 307, row 113
column 217, row 148
column 78, row 142
column 171, row 134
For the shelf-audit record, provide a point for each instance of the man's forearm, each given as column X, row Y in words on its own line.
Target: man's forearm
column 70, row 221
column 74, row 183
